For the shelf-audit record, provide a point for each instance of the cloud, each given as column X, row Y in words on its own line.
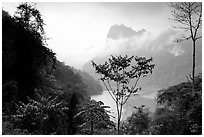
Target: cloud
column 176, row 50
column 133, row 43
column 145, row 41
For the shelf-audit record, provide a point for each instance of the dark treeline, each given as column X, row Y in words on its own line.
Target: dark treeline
column 41, row 95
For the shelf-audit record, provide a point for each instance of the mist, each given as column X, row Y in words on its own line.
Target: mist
column 145, row 41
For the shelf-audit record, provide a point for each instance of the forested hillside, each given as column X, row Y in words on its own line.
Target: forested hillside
column 93, row 87
column 72, row 79
column 40, row 95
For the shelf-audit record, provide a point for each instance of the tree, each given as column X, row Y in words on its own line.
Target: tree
column 119, row 71
column 188, row 17
column 138, row 122
column 176, row 106
column 94, row 114
column 30, row 18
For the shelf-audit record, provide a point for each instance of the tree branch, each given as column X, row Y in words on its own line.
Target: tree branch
column 108, row 89
column 110, row 85
column 183, row 39
column 198, row 24
column 136, row 83
column 198, row 37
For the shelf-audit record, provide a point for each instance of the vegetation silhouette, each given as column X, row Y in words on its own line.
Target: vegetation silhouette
column 43, row 96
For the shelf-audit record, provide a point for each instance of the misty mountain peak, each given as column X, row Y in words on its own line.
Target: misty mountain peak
column 122, row 31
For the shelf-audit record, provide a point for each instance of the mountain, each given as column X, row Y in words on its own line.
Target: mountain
column 121, row 31
column 173, row 61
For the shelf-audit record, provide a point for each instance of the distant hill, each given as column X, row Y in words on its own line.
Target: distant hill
column 93, row 87
column 72, row 80
column 67, row 79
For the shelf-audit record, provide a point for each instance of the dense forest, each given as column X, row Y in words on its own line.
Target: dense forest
column 43, row 96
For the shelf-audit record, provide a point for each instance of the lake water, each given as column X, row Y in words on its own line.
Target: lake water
column 147, row 100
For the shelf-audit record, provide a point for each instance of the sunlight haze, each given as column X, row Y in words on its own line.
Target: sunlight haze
column 78, row 31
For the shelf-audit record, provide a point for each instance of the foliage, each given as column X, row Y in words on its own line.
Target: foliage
column 45, row 116
column 8, row 128
column 73, row 108
column 119, row 71
column 111, row 131
column 69, row 81
column 25, row 57
column 138, row 122
column 179, row 97
column 30, row 18
column 166, row 122
column 95, row 115
column 178, row 106
column 93, row 87
column 73, row 80
column 9, row 93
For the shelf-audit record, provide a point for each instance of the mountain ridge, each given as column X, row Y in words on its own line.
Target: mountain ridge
column 122, row 31
column 170, row 68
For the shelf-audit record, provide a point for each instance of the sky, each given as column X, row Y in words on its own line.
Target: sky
column 78, row 31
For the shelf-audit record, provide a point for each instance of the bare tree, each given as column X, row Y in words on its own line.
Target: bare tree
column 120, row 72
column 188, row 17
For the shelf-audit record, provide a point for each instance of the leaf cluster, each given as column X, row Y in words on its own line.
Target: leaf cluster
column 30, row 18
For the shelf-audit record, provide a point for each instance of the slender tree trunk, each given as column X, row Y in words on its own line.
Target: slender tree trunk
column 118, row 109
column 119, row 118
column 118, row 126
column 121, row 107
column 193, row 71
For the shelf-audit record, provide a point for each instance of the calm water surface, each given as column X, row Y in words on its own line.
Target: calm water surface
column 147, row 100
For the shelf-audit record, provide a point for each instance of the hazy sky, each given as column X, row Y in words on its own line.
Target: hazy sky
column 78, row 31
